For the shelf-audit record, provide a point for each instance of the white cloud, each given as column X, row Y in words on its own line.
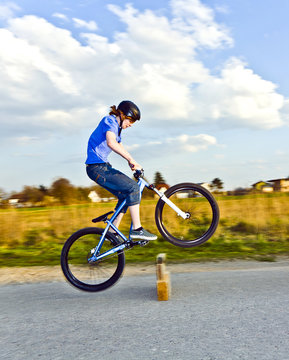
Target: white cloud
column 196, row 143
column 132, row 147
column 182, row 143
column 239, row 97
column 25, row 62
column 48, row 79
column 22, row 140
column 198, row 19
column 223, row 9
column 285, row 111
column 193, row 143
column 60, row 16
column 8, row 9
column 89, row 25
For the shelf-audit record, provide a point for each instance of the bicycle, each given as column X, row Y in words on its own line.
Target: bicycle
column 186, row 215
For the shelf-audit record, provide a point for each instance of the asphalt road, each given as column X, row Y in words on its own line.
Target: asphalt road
column 215, row 315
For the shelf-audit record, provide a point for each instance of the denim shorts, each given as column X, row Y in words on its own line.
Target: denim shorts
column 120, row 185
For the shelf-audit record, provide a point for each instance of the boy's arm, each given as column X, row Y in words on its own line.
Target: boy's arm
column 120, row 150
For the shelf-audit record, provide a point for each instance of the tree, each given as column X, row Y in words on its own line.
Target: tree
column 240, row 191
column 2, row 194
column 82, row 193
column 159, row 179
column 217, row 184
column 3, row 199
column 63, row 191
column 31, row 194
column 43, row 189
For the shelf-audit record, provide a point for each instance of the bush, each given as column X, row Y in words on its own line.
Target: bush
column 244, row 227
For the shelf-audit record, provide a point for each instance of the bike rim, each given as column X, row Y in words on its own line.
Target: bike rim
column 85, row 274
column 201, row 220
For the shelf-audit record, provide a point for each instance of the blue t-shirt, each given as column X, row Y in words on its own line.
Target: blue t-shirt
column 97, row 148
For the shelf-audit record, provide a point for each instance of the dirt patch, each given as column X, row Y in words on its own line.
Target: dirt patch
column 33, row 274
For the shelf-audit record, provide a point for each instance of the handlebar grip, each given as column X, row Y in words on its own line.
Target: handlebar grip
column 138, row 173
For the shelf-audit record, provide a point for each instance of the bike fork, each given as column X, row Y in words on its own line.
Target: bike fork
column 181, row 213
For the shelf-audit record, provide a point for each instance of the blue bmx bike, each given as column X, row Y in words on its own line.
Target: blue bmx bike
column 186, row 215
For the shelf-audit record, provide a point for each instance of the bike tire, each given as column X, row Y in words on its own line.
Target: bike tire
column 199, row 227
column 79, row 272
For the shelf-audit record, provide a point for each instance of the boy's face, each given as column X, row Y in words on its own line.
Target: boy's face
column 127, row 123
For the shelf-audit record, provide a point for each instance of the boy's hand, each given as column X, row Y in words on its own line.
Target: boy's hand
column 134, row 165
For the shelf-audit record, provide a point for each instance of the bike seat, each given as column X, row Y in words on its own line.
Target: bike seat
column 102, row 217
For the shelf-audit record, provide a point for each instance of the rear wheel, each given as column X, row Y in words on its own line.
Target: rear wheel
column 202, row 215
column 95, row 276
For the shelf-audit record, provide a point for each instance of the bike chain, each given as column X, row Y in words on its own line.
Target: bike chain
column 140, row 243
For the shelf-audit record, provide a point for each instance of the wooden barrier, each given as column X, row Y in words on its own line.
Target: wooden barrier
column 163, row 279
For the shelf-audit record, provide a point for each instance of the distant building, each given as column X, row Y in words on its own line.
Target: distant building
column 13, row 202
column 263, row 186
column 94, row 196
column 185, row 194
column 280, row 184
column 272, row 185
column 205, row 185
column 162, row 187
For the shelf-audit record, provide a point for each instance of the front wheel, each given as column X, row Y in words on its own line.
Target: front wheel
column 95, row 276
column 202, row 215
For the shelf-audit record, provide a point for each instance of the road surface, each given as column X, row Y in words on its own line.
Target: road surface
column 213, row 314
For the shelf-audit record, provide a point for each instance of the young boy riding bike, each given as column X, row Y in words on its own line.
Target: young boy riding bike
column 106, row 138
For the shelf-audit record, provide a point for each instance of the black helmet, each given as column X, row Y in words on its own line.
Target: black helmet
column 129, row 109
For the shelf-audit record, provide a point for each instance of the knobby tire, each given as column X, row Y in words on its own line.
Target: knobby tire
column 93, row 277
column 202, row 208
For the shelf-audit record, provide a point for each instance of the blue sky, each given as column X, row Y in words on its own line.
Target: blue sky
column 210, row 77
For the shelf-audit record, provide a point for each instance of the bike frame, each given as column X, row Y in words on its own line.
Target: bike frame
column 142, row 183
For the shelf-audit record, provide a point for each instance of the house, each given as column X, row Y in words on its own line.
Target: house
column 205, row 185
column 15, row 202
column 272, row 185
column 162, row 187
column 94, row 197
column 185, row 195
column 263, row 186
column 280, row 184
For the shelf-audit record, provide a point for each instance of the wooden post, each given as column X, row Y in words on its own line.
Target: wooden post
column 163, row 279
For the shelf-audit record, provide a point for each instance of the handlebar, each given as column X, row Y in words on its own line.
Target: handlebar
column 138, row 173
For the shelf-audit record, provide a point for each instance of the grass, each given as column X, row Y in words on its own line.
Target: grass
column 253, row 226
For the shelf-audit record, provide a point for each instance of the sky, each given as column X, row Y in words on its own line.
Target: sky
column 210, row 78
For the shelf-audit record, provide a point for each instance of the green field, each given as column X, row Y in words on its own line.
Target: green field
column 251, row 226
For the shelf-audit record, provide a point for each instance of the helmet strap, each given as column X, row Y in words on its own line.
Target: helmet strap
column 120, row 124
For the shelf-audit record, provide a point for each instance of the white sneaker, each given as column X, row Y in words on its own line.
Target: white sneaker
column 142, row 235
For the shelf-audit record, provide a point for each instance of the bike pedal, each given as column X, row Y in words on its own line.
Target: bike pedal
column 143, row 242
